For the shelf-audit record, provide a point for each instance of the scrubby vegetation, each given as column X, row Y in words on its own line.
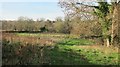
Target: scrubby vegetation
column 65, row 51
column 88, row 35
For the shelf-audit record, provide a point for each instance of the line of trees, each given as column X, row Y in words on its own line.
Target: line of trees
column 74, row 26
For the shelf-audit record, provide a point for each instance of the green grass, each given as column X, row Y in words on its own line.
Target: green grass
column 81, row 56
column 68, row 50
column 64, row 52
column 61, row 56
column 76, row 42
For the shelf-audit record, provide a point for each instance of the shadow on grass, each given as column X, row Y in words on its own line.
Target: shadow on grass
column 19, row 54
column 66, row 57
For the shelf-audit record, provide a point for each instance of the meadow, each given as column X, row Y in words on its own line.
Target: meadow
column 55, row 49
column 87, row 34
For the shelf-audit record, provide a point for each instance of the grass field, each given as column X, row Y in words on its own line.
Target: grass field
column 56, row 49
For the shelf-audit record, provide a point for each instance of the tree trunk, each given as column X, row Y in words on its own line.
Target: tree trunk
column 105, row 37
column 108, row 42
column 119, row 25
column 112, row 35
column 115, row 22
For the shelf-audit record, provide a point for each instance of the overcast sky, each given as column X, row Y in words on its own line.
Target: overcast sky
column 12, row 9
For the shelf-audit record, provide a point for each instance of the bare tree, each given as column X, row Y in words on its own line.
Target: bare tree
column 83, row 10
